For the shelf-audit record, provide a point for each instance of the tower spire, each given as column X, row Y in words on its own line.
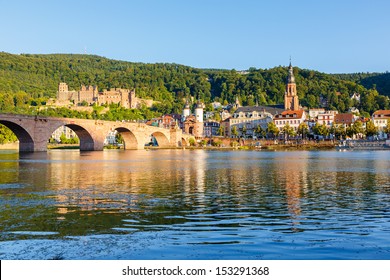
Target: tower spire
column 291, row 101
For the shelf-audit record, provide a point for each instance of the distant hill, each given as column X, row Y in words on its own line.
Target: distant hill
column 379, row 81
column 39, row 75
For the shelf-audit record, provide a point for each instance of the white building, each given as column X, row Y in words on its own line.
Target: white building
column 293, row 118
column 247, row 118
column 326, row 118
column 69, row 133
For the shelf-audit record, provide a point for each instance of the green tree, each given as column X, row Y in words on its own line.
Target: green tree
column 272, row 129
column 303, row 130
column 321, row 129
column 244, row 130
column 221, row 131
column 386, row 129
column 6, row 135
column 288, row 131
column 371, row 129
column 234, row 131
column 63, row 139
column 338, row 131
column 119, row 139
column 192, row 142
column 357, row 128
column 259, row 131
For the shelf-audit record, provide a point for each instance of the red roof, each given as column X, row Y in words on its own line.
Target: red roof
column 290, row 114
column 346, row 118
column 379, row 113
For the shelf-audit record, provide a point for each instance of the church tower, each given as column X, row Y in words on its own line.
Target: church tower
column 291, row 101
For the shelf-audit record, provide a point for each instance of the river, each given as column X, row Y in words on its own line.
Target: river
column 195, row 204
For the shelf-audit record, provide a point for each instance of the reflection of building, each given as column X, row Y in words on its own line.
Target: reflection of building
column 193, row 124
column 90, row 94
column 294, row 178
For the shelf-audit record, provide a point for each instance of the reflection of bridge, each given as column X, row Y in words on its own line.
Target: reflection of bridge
column 34, row 132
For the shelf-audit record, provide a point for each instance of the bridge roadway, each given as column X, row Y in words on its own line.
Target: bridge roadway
column 34, row 132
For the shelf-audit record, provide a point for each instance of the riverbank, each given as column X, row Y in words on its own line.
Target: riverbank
column 9, row 146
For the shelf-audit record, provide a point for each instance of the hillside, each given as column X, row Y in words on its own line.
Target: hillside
column 379, row 81
column 34, row 78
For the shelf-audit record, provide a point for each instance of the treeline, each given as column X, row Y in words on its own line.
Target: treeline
column 36, row 78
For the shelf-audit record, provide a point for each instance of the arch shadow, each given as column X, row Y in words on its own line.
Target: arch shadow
column 130, row 141
column 184, row 142
column 162, row 140
column 26, row 142
column 86, row 141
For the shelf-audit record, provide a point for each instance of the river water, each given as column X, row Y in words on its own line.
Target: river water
column 195, row 204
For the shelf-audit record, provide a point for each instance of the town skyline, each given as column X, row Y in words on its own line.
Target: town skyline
column 330, row 37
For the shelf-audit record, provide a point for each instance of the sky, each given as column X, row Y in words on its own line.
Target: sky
column 332, row 36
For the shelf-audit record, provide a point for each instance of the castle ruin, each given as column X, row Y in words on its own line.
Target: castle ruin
column 124, row 97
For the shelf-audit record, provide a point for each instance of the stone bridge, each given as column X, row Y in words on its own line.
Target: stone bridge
column 34, row 132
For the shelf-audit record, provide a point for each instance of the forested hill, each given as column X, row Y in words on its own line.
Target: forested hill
column 39, row 75
column 379, row 81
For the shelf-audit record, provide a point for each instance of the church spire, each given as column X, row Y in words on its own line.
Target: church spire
column 290, row 78
column 291, row 101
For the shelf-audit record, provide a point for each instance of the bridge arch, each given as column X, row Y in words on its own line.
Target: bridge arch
column 183, row 142
column 131, row 142
column 26, row 142
column 86, row 141
column 161, row 138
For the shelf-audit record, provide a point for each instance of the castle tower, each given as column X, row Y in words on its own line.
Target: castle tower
column 62, row 93
column 132, row 99
column 199, row 112
column 63, row 87
column 291, row 101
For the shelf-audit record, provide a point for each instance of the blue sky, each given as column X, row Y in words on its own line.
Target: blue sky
column 333, row 36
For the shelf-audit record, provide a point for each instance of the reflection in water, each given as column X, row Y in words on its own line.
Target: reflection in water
column 210, row 204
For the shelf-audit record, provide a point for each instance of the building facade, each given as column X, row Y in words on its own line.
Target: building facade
column 327, row 118
column 246, row 119
column 380, row 119
column 345, row 119
column 193, row 124
column 291, row 117
column 63, row 130
column 211, row 128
